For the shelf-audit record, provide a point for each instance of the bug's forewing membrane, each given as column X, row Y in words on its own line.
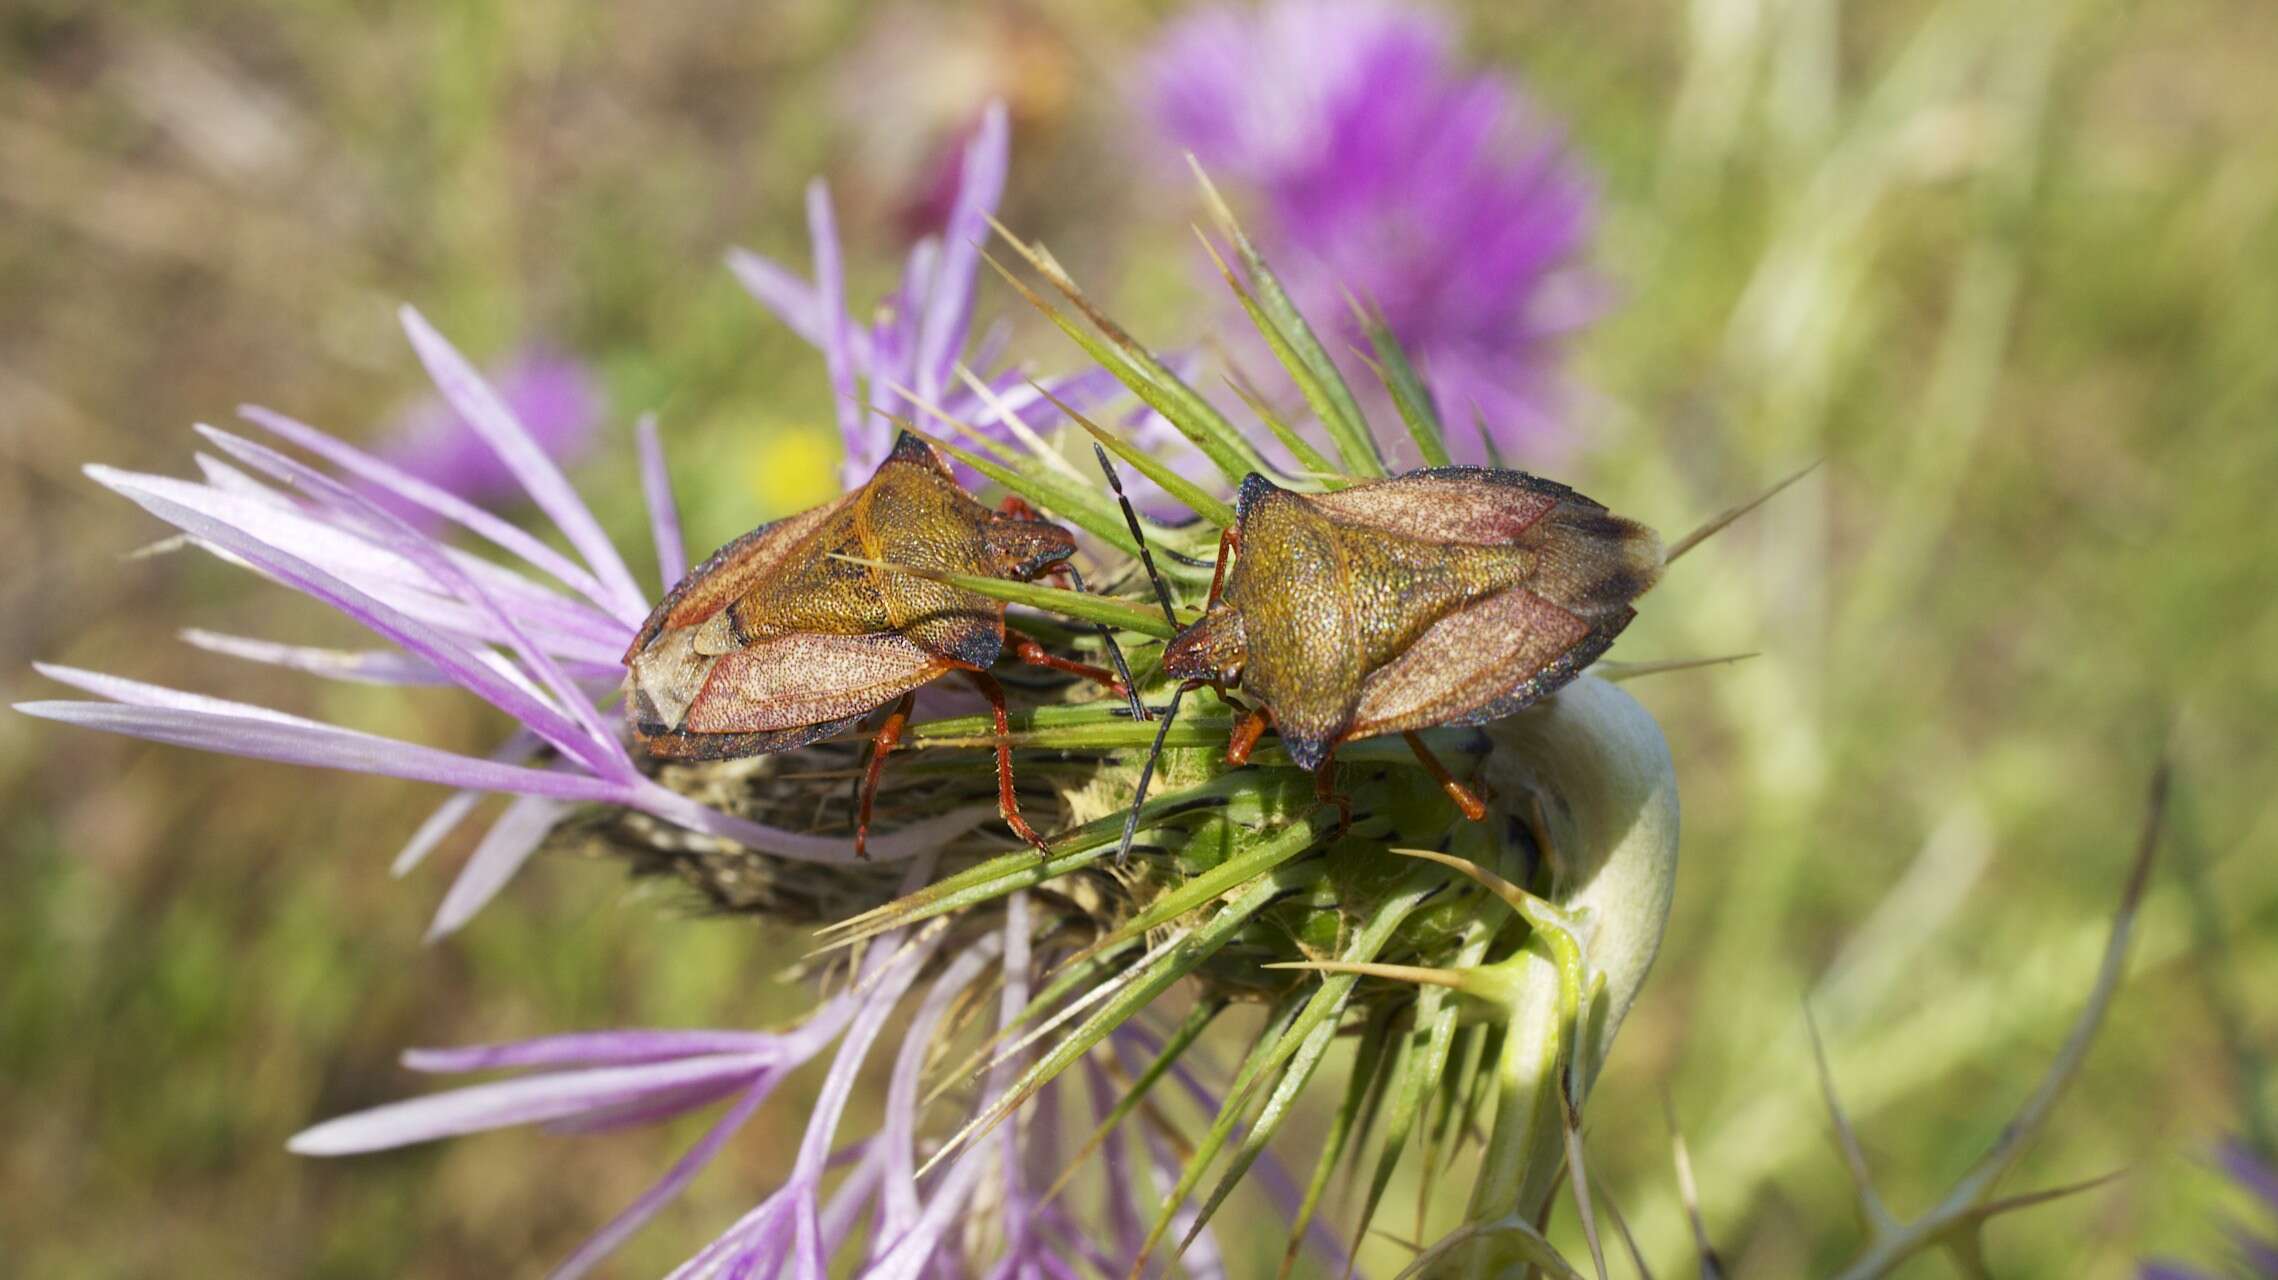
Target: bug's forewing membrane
column 784, row 682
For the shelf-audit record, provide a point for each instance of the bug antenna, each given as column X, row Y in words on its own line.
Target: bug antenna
column 1170, row 712
column 1131, row 521
column 1147, row 775
column 1114, row 651
column 1716, row 523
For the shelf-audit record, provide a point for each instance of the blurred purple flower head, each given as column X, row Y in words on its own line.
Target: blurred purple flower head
column 556, row 399
column 2255, row 1253
column 1384, row 170
column 911, row 359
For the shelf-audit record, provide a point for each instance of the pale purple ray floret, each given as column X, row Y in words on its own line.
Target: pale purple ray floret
column 557, row 400
column 541, row 639
column 1382, row 168
column 917, row 1225
column 911, row 361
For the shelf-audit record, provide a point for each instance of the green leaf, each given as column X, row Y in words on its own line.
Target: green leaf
column 1137, row 368
column 1182, row 959
column 1069, row 604
column 1284, row 328
column 1372, row 1062
column 1409, row 394
column 1295, row 1054
column 1024, row 868
column 1171, row 482
column 1315, row 462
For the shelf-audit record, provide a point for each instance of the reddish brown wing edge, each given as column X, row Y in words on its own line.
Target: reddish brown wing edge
column 1451, row 504
column 730, row 572
column 1481, row 663
column 784, row 682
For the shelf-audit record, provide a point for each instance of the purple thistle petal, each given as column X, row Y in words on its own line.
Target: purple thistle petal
column 367, row 666
column 949, row 306
column 637, row 1214
column 488, row 415
column 574, row 630
column 322, row 746
column 897, row 1133
column 830, row 287
column 236, row 483
column 793, row 301
column 592, row 1048
column 446, row 819
column 510, row 696
column 554, row 398
column 504, row 848
column 646, row 1111
column 137, row 694
column 506, row 1103
column 664, row 513
column 606, row 755
column 449, row 505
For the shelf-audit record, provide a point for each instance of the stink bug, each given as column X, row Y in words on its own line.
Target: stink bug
column 780, row 640
column 1455, row 595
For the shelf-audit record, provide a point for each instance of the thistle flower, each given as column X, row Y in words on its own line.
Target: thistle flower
column 1482, row 967
column 1381, row 169
column 554, row 397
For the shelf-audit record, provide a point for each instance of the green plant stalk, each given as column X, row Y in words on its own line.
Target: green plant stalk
column 1602, row 771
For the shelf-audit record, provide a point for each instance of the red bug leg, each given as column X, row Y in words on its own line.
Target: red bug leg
column 1245, row 738
column 1465, row 798
column 1325, row 790
column 882, row 744
column 1018, row 508
column 1027, row 650
column 1008, row 805
column 1228, row 542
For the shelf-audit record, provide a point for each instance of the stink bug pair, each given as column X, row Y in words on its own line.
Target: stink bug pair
column 1449, row 596
column 782, row 638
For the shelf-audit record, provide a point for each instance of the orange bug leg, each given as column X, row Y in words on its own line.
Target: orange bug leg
column 1008, row 805
column 1245, row 739
column 1229, row 543
column 1029, row 651
column 1325, row 790
column 882, row 744
column 1018, row 508
column 1465, row 798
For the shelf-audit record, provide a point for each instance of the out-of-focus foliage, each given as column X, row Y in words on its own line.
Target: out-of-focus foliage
column 2005, row 268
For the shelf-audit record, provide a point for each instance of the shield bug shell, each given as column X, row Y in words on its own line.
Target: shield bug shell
column 780, row 640
column 1455, row 595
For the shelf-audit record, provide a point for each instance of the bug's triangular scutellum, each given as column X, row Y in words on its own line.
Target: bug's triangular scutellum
column 1171, row 711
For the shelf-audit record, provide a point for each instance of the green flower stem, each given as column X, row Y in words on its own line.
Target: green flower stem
column 1598, row 765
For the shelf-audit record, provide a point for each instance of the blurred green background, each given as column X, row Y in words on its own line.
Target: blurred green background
column 2010, row 270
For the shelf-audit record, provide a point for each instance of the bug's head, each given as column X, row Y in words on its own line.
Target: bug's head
column 1212, row 649
column 1025, row 549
